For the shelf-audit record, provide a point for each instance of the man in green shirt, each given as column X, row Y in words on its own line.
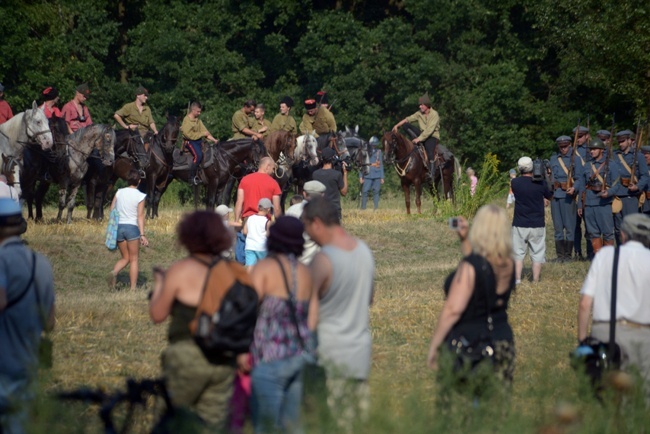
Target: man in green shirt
column 428, row 132
column 193, row 132
column 318, row 121
column 284, row 120
column 137, row 115
column 261, row 125
column 242, row 122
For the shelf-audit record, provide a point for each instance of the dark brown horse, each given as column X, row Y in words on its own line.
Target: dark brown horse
column 412, row 170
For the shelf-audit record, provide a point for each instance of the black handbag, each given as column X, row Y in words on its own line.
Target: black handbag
column 597, row 357
column 468, row 354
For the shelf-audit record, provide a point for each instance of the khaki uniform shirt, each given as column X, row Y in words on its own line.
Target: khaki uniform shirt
column 131, row 115
column 257, row 126
column 429, row 124
column 321, row 123
column 193, row 129
column 241, row 120
column 284, row 122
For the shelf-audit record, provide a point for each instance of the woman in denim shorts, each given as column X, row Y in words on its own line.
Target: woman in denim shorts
column 129, row 202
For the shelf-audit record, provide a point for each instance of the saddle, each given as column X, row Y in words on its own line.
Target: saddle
column 183, row 158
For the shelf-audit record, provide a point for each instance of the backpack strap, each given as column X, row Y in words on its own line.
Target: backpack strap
column 290, row 301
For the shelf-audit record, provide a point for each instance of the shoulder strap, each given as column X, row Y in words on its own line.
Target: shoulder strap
column 562, row 165
column 292, row 306
column 612, row 313
column 624, row 164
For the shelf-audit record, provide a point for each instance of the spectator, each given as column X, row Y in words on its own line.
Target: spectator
column 194, row 380
column 295, row 200
column 282, row 335
column 136, row 115
column 232, row 226
column 50, row 98
column 473, row 180
column 75, row 112
column 311, row 190
column 511, row 197
column 464, row 313
column 26, row 309
column 256, row 231
column 343, row 273
column 336, row 183
column 129, row 202
column 5, row 108
column 7, row 190
column 528, row 228
column 375, row 177
column 632, row 301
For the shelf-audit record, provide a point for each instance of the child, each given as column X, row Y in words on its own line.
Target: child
column 511, row 196
column 256, row 230
column 233, row 226
column 473, row 180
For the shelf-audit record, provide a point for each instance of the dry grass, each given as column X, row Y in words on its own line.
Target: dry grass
column 103, row 337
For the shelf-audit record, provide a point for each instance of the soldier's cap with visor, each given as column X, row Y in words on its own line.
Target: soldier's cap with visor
column 287, row 100
column 83, row 89
column 11, row 218
column 581, row 130
column 604, row 133
column 645, row 149
column 624, row 135
column 141, row 90
column 563, row 139
column 596, row 144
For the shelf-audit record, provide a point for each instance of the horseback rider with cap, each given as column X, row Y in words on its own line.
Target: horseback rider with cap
column 50, row 97
column 318, row 121
column 283, row 120
column 137, row 115
column 75, row 112
column 242, row 122
column 193, row 132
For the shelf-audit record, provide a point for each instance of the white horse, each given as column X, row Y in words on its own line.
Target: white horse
column 30, row 126
column 306, row 149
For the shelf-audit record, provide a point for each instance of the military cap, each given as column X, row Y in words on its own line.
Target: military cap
column 424, row 99
column 604, row 133
column 322, row 97
column 287, row 100
column 50, row 93
column 596, row 144
column 83, row 89
column 141, row 90
column 625, row 134
column 563, row 139
column 310, row 104
column 645, row 149
column 581, row 130
column 374, row 141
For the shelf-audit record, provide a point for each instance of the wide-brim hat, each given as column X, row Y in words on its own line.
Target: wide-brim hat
column 50, row 93
column 287, row 230
column 83, row 89
column 287, row 100
column 310, row 104
column 141, row 90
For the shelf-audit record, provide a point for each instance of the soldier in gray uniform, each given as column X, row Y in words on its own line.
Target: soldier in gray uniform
column 628, row 190
column 599, row 185
column 563, row 204
column 582, row 158
column 375, row 177
column 605, row 136
column 645, row 189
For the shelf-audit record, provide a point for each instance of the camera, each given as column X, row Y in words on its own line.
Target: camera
column 453, row 223
column 81, row 118
column 337, row 163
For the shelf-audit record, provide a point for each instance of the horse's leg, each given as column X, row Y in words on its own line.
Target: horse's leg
column 63, row 193
column 418, row 195
column 38, row 197
column 406, row 187
column 195, row 189
column 72, row 197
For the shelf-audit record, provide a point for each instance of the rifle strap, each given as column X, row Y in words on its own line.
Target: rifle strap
column 562, row 165
column 596, row 172
column 624, row 163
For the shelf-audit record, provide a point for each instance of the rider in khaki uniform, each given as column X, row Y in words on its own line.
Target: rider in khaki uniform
column 137, row 114
column 261, row 125
column 242, row 122
column 283, row 120
column 193, row 132
column 318, row 121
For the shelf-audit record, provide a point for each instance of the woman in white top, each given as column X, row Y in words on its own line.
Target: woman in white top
column 129, row 202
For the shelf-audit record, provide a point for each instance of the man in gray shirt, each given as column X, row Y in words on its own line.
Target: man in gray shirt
column 343, row 274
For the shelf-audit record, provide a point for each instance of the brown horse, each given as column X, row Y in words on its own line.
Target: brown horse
column 280, row 142
column 412, row 170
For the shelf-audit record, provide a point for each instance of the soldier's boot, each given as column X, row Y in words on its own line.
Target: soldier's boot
column 597, row 244
column 568, row 250
column 559, row 251
column 432, row 168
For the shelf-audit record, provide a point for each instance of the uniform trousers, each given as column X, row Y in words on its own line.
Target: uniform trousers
column 375, row 186
column 599, row 221
column 564, row 212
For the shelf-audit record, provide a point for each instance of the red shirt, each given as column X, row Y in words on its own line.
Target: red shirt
column 71, row 115
column 49, row 112
column 257, row 186
column 5, row 112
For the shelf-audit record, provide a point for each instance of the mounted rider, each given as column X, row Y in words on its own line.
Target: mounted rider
column 261, row 125
column 137, row 115
column 193, row 132
column 242, row 122
column 318, row 121
column 427, row 132
column 75, row 112
column 283, row 121
column 50, row 98
column 5, row 108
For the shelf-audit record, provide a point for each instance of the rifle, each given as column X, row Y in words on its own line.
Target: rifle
column 609, row 152
column 637, row 137
column 569, row 181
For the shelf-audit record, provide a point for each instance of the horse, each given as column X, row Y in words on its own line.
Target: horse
column 305, row 162
column 347, row 146
column 280, row 145
column 67, row 164
column 8, row 169
column 30, row 126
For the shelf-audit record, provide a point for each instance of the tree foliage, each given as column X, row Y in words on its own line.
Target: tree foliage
column 506, row 76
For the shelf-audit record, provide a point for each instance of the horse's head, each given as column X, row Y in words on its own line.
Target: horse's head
column 362, row 157
column 59, row 130
column 107, row 146
column 290, row 146
column 37, row 127
column 7, row 168
column 307, row 149
column 389, row 143
column 169, row 134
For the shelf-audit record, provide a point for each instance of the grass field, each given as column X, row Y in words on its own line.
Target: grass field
column 103, row 337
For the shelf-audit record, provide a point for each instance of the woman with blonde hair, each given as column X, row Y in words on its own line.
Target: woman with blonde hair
column 478, row 291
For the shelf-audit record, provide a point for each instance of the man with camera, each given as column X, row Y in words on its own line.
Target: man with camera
column 528, row 229
column 335, row 181
column 75, row 112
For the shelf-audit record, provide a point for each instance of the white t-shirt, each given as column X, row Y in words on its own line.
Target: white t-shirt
column 632, row 295
column 256, row 236
column 127, row 205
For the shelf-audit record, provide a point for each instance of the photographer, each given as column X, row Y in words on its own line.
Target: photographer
column 528, row 229
column 335, row 181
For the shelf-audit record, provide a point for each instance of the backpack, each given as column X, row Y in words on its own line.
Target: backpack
column 225, row 318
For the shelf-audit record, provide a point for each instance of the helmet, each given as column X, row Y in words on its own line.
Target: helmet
column 374, row 141
column 596, row 144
